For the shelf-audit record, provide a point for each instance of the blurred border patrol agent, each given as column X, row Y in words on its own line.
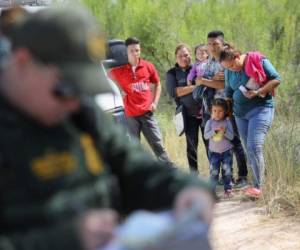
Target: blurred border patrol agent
column 66, row 170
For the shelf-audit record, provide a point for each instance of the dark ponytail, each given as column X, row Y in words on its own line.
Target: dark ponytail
column 229, row 52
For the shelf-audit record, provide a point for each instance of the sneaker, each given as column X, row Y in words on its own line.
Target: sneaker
column 253, row 192
column 228, row 193
column 241, row 183
column 232, row 181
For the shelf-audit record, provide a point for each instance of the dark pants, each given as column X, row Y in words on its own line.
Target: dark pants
column 217, row 160
column 148, row 125
column 192, row 125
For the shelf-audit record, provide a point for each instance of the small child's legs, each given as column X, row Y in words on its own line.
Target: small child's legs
column 197, row 96
column 198, row 93
column 227, row 169
column 215, row 164
column 216, row 160
column 209, row 97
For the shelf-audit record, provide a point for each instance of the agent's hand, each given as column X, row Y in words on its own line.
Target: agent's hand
column 192, row 196
column 96, row 228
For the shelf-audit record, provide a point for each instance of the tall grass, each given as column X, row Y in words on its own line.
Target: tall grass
column 282, row 151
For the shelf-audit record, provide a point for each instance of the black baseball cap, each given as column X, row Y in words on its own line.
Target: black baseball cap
column 71, row 39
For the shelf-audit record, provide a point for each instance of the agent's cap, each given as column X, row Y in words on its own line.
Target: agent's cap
column 70, row 39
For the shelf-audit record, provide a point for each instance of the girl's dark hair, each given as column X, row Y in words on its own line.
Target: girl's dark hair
column 202, row 45
column 221, row 103
column 229, row 52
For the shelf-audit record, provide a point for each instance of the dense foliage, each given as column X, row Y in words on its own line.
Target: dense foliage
column 271, row 26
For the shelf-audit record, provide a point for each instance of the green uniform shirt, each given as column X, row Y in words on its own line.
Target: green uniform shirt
column 50, row 175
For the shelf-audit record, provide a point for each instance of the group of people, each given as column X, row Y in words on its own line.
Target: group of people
column 231, row 98
column 197, row 99
column 67, row 172
column 227, row 81
column 225, row 94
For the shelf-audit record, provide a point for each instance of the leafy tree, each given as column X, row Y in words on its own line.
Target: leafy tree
column 271, row 26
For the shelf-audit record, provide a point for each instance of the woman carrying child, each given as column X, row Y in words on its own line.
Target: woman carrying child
column 250, row 80
column 178, row 88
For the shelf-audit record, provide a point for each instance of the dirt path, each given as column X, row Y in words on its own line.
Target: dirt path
column 243, row 225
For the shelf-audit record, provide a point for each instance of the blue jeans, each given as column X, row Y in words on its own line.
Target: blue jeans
column 253, row 128
column 215, row 160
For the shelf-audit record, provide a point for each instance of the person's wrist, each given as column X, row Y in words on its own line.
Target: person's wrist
column 258, row 93
column 198, row 81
